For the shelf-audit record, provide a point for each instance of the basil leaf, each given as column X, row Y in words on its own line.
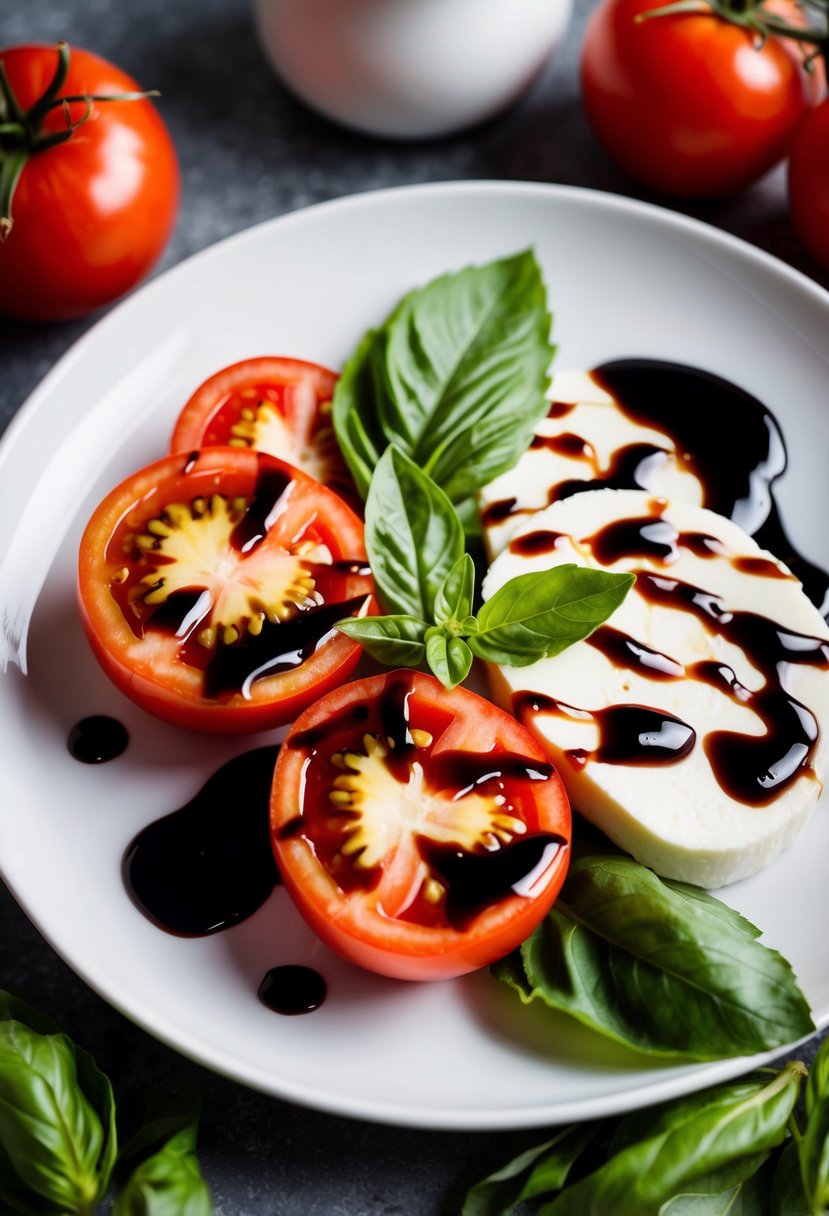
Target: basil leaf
column 57, row 1150
column 788, row 1197
column 413, row 536
column 456, row 377
column 449, row 657
column 148, row 1117
column 704, row 1198
column 169, row 1183
column 639, row 961
column 538, row 615
column 814, row 1147
column 538, row 1171
column 453, row 601
column 352, row 414
column 397, row 641
column 644, row 1176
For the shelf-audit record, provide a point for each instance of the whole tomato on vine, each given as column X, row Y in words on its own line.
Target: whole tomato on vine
column 697, row 99
column 89, row 182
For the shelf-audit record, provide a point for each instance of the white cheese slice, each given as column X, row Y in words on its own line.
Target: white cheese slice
column 604, row 430
column 680, row 818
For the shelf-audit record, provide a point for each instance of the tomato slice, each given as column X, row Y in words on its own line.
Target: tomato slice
column 421, row 831
column 275, row 405
column 210, row 583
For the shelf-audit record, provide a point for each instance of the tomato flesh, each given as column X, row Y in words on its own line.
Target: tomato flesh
column 809, row 183
column 271, row 404
column 421, row 831
column 210, row 584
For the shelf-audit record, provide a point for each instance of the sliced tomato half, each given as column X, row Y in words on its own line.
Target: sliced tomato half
column 210, row 584
column 275, row 405
column 421, row 832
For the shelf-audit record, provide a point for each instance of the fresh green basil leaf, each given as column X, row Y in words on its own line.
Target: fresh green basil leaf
column 646, row 1175
column 413, row 536
column 453, row 601
column 538, row 1171
column 12, row 1009
column 169, row 1183
column 788, row 1197
column 538, row 615
column 642, row 963
column 456, row 377
column 352, row 414
column 57, row 1152
column 449, row 657
column 397, row 641
column 745, row 1198
column 814, row 1147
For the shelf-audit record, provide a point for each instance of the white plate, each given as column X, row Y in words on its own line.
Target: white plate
column 624, row 279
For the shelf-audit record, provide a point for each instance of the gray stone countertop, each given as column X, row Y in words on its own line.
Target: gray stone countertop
column 249, row 151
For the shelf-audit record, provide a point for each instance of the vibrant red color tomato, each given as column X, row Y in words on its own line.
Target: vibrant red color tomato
column 420, row 830
column 688, row 103
column 272, row 404
column 809, row 183
column 90, row 215
column 210, row 584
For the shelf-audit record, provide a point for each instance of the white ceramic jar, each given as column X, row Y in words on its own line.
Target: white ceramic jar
column 409, row 69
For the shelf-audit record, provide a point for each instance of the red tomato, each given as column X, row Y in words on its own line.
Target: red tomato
column 91, row 215
column 281, row 406
column 420, row 830
column 209, row 587
column 809, row 183
column 687, row 103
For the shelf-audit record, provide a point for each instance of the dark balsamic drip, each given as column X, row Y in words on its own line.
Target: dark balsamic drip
column 566, row 444
column 473, row 881
column 467, row 771
column 560, row 409
column 190, row 462
column 760, row 566
column 345, row 720
column 648, row 536
column 209, row 864
column 395, row 723
column 271, row 485
column 628, row 734
column 293, row 989
column 181, row 612
column 625, row 651
column 634, row 467
column 96, row 739
column 346, row 565
column 701, row 411
column 752, row 769
column 531, row 544
column 498, row 512
column 280, row 646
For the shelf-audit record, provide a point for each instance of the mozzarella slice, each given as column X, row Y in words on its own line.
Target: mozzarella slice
column 582, row 439
column 714, row 670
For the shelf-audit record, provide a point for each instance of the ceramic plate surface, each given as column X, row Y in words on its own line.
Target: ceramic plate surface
column 624, row 279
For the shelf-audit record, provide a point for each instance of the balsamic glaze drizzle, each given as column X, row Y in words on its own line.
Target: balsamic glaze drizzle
column 292, row 989
column 97, row 739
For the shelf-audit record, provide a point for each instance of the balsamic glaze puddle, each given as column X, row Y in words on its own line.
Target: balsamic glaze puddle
column 292, row 989
column 97, row 739
column 209, row 864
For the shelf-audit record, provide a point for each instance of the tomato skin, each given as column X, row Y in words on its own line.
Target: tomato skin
column 809, row 183
column 685, row 103
column 350, row 922
column 91, row 215
column 149, row 669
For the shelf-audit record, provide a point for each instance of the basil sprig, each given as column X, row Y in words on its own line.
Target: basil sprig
column 657, row 965
column 58, row 1137
column 426, row 582
column 455, row 378
column 713, row 1153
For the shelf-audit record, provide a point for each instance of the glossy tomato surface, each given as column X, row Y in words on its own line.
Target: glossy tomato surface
column 420, row 830
column 689, row 103
column 91, row 215
column 809, row 183
column 210, row 584
column 273, row 404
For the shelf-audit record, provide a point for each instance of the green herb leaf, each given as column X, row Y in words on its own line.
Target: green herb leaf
column 449, row 657
column 397, row 641
column 658, row 968
column 149, row 1117
column 456, row 377
column 538, row 615
column 453, row 601
column 169, row 1183
column 57, row 1133
column 814, row 1147
column 538, row 1171
column 788, row 1197
column 734, row 1124
column 413, row 536
column 705, row 1198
